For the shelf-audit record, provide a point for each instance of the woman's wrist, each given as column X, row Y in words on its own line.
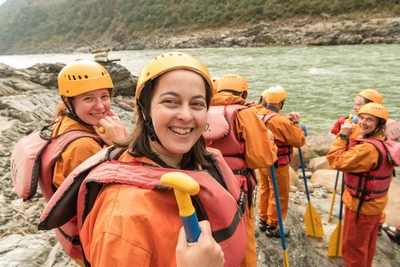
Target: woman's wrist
column 344, row 136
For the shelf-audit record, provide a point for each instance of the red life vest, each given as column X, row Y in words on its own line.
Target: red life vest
column 375, row 183
column 285, row 151
column 32, row 162
column 223, row 207
column 221, row 134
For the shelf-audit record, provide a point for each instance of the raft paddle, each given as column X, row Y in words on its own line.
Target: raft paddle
column 278, row 207
column 184, row 186
column 333, row 196
column 335, row 243
column 312, row 220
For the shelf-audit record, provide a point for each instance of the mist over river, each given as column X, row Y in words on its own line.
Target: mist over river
column 321, row 82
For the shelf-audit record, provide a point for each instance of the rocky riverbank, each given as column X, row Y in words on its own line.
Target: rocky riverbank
column 27, row 100
column 325, row 30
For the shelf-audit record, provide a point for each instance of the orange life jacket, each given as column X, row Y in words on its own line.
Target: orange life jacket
column 223, row 207
column 285, row 151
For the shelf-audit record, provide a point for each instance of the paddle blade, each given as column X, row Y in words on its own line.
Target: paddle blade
column 285, row 258
column 335, row 243
column 332, row 203
column 313, row 222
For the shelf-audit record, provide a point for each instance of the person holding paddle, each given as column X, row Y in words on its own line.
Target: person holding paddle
column 129, row 217
column 368, row 172
column 287, row 134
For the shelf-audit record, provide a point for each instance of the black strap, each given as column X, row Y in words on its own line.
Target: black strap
column 75, row 240
column 227, row 232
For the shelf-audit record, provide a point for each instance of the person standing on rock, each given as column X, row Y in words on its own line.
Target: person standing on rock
column 368, row 172
column 243, row 140
column 287, row 134
column 85, row 88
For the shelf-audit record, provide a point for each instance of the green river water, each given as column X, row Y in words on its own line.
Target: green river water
column 321, row 82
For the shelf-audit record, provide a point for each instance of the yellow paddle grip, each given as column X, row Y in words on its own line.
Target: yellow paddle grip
column 183, row 186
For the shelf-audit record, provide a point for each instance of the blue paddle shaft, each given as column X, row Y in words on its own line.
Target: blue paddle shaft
column 192, row 228
column 278, row 207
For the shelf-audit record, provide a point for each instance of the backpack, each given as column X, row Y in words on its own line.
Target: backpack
column 27, row 168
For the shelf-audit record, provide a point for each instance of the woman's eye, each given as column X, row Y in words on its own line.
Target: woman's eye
column 169, row 101
column 199, row 104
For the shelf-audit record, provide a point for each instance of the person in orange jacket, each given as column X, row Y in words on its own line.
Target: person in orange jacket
column 86, row 106
column 364, row 199
column 85, row 88
column 243, row 141
column 365, row 96
column 287, row 134
column 135, row 221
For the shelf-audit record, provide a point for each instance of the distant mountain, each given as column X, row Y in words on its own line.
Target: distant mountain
column 29, row 24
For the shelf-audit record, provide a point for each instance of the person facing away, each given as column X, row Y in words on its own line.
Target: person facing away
column 363, row 97
column 367, row 176
column 85, row 88
column 135, row 221
column 246, row 147
column 287, row 134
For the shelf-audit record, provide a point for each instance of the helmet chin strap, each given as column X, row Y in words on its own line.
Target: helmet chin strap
column 148, row 122
column 72, row 114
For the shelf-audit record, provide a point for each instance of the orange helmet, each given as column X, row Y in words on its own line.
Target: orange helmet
column 215, row 82
column 167, row 62
column 83, row 76
column 374, row 109
column 371, row 95
column 275, row 94
column 233, row 82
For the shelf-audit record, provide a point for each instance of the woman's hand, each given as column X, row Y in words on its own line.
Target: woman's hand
column 346, row 128
column 203, row 253
column 111, row 129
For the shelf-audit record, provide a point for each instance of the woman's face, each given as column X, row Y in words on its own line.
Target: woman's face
column 367, row 123
column 92, row 106
column 359, row 101
column 179, row 113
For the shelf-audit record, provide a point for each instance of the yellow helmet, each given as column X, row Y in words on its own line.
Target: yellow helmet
column 233, row 82
column 374, row 109
column 83, row 76
column 371, row 95
column 215, row 82
column 275, row 94
column 167, row 62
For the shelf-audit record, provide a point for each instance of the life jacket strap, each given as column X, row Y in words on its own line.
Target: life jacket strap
column 227, row 232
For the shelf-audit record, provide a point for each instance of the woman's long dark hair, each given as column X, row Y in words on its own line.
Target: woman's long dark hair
column 138, row 142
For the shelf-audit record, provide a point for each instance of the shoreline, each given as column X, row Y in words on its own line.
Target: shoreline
column 325, row 31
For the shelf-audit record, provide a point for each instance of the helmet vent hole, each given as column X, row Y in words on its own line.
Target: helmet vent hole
column 86, row 77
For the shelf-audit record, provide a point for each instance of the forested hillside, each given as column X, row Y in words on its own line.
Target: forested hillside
column 49, row 23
